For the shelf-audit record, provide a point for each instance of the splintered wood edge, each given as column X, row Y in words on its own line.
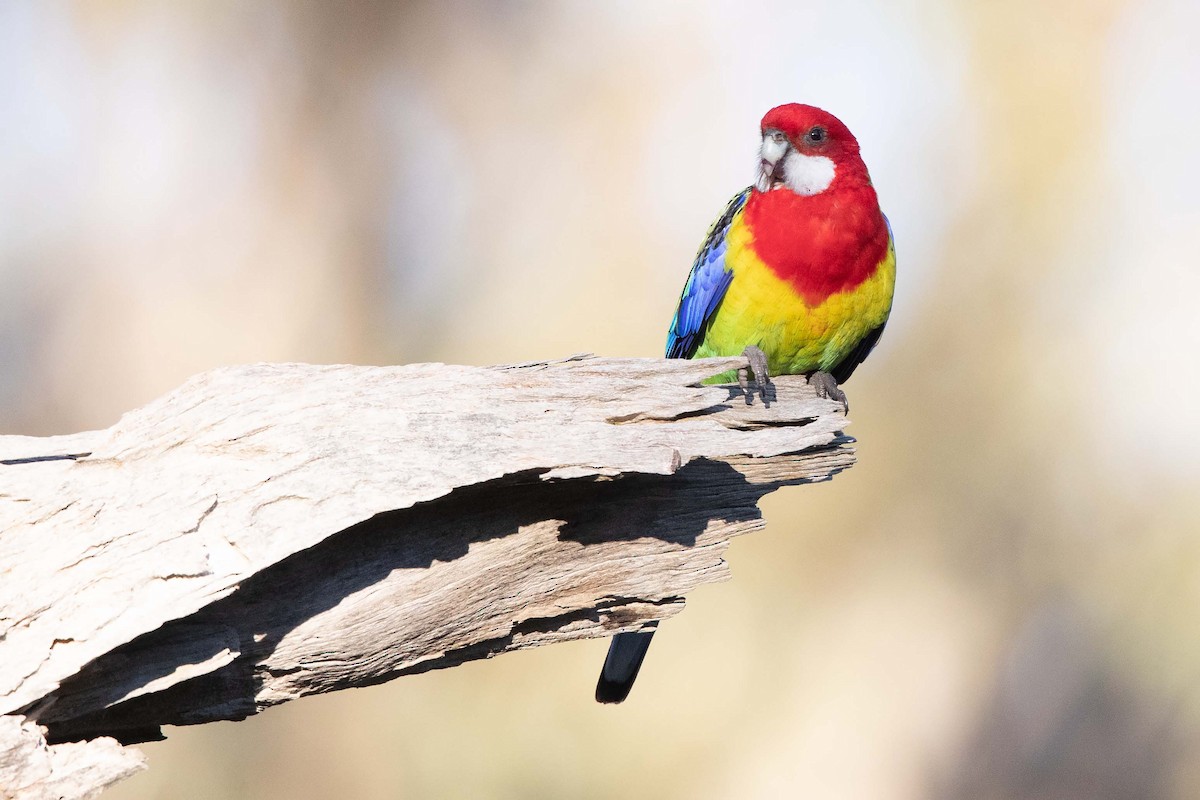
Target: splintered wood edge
column 30, row 769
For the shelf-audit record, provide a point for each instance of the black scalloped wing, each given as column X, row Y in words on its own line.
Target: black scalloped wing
column 705, row 287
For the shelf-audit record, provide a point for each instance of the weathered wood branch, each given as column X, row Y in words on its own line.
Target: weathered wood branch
column 272, row 531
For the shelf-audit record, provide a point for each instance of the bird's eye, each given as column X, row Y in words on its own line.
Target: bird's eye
column 816, row 134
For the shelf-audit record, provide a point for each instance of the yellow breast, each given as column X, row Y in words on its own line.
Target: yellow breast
column 761, row 309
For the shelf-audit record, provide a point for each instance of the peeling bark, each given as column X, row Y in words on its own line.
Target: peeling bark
column 271, row 531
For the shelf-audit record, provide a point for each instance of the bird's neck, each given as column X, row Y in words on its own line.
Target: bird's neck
column 820, row 244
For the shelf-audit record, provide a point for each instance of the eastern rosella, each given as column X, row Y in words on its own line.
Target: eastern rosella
column 797, row 273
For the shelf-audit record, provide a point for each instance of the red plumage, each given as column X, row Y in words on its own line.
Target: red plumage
column 821, row 244
column 827, row 242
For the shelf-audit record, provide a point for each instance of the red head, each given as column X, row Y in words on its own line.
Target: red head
column 806, row 150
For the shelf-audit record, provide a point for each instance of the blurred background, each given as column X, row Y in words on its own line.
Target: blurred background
column 998, row 601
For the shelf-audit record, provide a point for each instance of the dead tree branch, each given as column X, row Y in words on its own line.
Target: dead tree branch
column 272, row 531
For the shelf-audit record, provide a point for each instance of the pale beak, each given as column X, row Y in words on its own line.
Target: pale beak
column 766, row 174
column 770, row 167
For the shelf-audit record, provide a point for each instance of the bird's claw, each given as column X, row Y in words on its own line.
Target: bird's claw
column 826, row 386
column 762, row 375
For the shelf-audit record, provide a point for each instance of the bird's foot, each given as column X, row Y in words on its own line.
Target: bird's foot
column 826, row 386
column 762, row 375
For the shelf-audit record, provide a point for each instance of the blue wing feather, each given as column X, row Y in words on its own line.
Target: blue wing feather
column 705, row 287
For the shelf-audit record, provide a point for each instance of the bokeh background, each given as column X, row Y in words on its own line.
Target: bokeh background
column 998, row 601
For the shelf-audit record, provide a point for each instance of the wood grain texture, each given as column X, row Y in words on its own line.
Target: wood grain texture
column 271, row 531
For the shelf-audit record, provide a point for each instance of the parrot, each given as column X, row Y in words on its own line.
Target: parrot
column 797, row 275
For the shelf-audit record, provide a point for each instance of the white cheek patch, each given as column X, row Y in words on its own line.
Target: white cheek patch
column 807, row 175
